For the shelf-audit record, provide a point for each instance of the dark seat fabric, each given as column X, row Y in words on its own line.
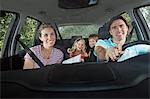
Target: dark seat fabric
column 73, row 38
column 62, row 48
column 12, row 63
column 103, row 32
column 92, row 57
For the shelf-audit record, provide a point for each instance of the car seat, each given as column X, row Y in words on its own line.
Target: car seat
column 103, row 34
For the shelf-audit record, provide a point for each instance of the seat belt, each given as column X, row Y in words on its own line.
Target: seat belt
column 28, row 50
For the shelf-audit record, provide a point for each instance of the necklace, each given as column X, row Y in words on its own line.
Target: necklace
column 46, row 54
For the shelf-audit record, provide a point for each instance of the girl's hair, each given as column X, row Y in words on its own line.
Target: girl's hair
column 73, row 48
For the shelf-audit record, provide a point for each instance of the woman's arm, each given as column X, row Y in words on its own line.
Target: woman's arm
column 28, row 64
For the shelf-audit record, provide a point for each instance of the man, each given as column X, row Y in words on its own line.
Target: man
column 112, row 48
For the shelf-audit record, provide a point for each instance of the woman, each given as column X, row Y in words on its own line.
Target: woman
column 46, row 51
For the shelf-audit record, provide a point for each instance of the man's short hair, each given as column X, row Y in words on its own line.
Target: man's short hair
column 116, row 18
column 94, row 36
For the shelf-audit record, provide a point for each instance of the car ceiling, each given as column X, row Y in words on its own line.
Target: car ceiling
column 48, row 10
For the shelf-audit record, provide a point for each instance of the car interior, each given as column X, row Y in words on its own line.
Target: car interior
column 126, row 79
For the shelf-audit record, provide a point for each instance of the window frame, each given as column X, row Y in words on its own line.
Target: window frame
column 15, row 44
column 141, row 23
column 34, row 34
column 6, row 48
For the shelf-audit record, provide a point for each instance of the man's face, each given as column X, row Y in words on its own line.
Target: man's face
column 118, row 30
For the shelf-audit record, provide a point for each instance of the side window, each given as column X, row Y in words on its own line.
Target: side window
column 85, row 30
column 146, row 14
column 5, row 20
column 28, row 31
column 132, row 33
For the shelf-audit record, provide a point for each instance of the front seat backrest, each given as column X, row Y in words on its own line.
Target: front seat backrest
column 103, row 32
column 73, row 38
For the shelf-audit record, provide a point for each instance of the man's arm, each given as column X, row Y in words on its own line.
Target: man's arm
column 106, row 54
column 100, row 52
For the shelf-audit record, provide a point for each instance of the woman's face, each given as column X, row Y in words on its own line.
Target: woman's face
column 48, row 37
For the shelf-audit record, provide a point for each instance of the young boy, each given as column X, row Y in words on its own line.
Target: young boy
column 93, row 38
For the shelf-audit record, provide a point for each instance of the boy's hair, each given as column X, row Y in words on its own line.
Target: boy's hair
column 94, row 36
column 116, row 18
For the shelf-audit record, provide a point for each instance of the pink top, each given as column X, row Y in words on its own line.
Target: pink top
column 56, row 56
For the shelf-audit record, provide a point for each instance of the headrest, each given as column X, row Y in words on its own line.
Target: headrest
column 73, row 38
column 103, row 32
column 36, row 41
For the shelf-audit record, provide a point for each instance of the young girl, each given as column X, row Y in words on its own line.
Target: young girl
column 78, row 47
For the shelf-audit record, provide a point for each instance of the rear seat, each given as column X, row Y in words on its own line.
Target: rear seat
column 103, row 34
column 73, row 38
column 92, row 57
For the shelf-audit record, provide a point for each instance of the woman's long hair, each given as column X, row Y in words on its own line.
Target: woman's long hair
column 74, row 47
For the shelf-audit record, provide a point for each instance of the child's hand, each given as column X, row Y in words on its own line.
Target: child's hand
column 69, row 50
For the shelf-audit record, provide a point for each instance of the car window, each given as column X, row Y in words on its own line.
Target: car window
column 5, row 20
column 146, row 14
column 67, row 31
column 28, row 32
column 132, row 33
